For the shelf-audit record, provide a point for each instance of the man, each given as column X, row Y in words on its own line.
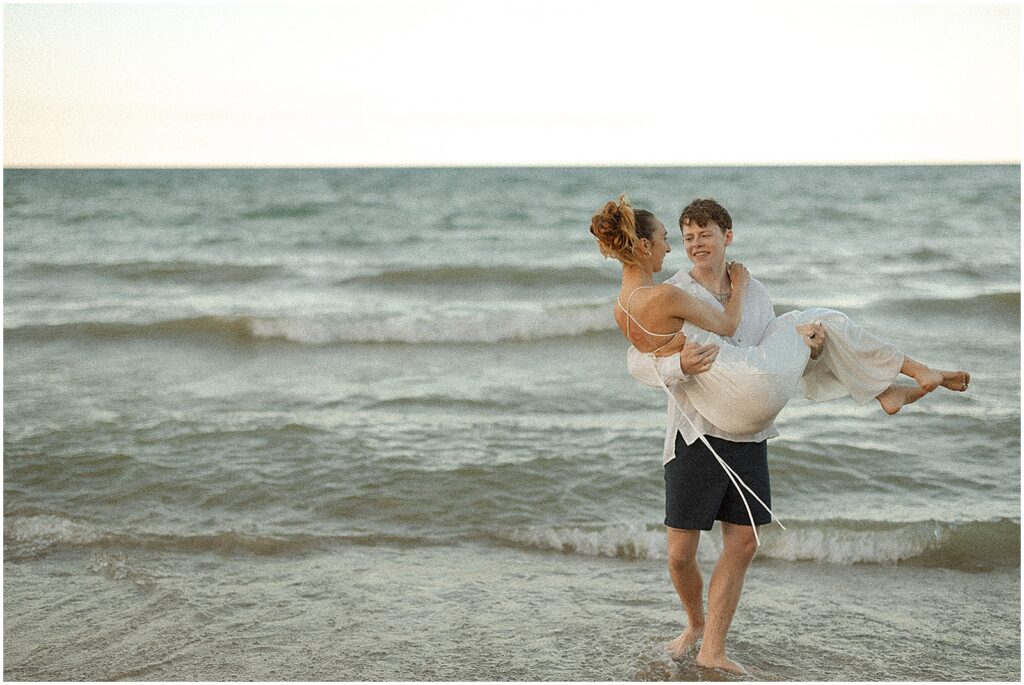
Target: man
column 697, row 490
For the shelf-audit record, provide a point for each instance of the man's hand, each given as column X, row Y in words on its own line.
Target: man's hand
column 694, row 358
column 814, row 337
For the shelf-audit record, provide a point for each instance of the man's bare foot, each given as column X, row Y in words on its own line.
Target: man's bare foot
column 680, row 647
column 895, row 397
column 723, row 663
column 957, row 381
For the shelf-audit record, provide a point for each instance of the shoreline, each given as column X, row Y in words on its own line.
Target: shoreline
column 477, row 612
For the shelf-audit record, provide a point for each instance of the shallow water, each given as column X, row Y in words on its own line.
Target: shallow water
column 484, row 612
column 376, row 424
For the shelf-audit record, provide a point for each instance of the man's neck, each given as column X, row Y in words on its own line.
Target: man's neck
column 714, row 278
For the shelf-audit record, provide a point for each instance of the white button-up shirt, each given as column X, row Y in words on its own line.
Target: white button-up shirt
column 757, row 314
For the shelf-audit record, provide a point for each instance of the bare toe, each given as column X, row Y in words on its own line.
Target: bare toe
column 724, row 664
column 957, row 381
column 682, row 645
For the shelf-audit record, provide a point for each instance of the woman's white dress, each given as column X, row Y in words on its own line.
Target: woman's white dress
column 746, row 387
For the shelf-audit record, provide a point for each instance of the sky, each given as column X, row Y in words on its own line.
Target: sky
column 523, row 82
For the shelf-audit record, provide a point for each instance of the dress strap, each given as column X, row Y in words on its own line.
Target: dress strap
column 732, row 475
column 630, row 317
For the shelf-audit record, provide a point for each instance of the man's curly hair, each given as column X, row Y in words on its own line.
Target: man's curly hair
column 701, row 212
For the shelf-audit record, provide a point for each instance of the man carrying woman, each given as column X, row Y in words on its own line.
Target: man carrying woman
column 725, row 393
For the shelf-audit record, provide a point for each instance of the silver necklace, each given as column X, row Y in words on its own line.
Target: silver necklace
column 723, row 298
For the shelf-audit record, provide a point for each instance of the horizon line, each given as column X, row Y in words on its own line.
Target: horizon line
column 228, row 166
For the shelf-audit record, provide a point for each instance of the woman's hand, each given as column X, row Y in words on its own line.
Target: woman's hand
column 814, row 337
column 738, row 275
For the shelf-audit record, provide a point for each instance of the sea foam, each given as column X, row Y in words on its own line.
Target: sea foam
column 975, row 545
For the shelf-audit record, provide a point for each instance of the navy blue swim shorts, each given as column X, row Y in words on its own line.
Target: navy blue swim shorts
column 698, row 492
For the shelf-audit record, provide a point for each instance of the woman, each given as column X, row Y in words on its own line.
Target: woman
column 746, row 387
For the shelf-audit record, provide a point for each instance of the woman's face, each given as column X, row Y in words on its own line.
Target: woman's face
column 659, row 246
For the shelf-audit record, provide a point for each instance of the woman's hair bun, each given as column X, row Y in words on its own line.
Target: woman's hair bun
column 615, row 229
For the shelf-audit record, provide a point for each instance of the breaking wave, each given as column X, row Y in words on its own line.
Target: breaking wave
column 159, row 271
column 962, row 545
column 484, row 327
column 482, row 276
column 31, row 536
column 973, row 545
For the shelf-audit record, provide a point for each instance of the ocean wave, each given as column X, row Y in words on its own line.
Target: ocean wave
column 966, row 545
column 435, row 401
column 99, row 216
column 32, row 536
column 1004, row 305
column 624, row 542
column 485, row 327
column 846, row 304
column 921, row 254
column 236, row 329
column 297, row 210
column 973, row 545
column 322, row 243
column 996, row 305
column 183, row 271
column 481, row 275
column 29, row 536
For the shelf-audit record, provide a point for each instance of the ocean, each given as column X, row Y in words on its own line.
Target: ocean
column 376, row 424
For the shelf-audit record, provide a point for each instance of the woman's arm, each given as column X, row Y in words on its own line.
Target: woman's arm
column 689, row 308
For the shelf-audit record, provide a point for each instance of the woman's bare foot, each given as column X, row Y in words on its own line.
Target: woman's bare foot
column 929, row 379
column 957, row 381
column 926, row 377
column 680, row 647
column 723, row 663
column 895, row 397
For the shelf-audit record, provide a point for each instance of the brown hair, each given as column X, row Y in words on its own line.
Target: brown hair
column 702, row 212
column 619, row 229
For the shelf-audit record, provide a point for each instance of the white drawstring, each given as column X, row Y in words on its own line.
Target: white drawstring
column 733, row 476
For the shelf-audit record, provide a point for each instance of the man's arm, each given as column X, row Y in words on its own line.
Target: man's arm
column 760, row 314
column 675, row 368
column 814, row 334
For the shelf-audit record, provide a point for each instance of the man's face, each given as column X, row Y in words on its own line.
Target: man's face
column 705, row 246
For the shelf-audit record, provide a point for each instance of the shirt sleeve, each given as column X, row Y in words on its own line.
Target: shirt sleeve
column 641, row 368
column 765, row 311
column 678, row 278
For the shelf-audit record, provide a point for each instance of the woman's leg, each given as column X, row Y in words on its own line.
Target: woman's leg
column 859, row 360
column 894, row 397
column 929, row 379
